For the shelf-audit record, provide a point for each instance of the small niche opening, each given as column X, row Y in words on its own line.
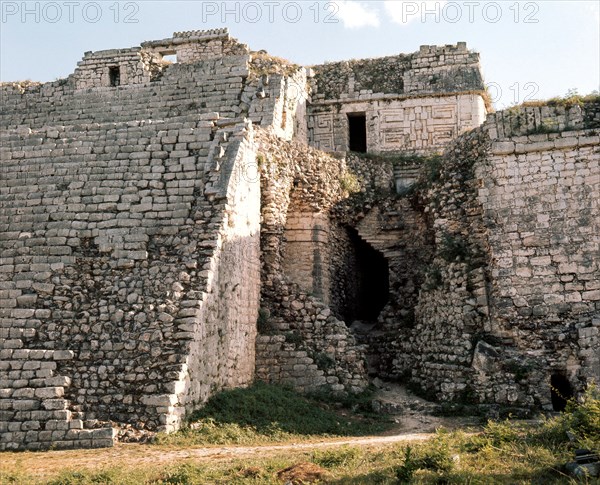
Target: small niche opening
column 561, row 391
column 114, row 76
column 357, row 132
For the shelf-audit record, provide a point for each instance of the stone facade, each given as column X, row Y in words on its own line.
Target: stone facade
column 168, row 230
column 123, row 210
column 504, row 290
column 417, row 102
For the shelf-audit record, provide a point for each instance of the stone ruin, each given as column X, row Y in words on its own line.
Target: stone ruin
column 170, row 229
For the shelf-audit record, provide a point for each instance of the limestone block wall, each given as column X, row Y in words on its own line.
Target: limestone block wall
column 420, row 124
column 414, row 102
column 127, row 213
column 141, row 65
column 493, row 261
column 93, row 70
column 544, row 189
column 451, row 68
column 510, row 297
column 540, row 195
column 217, row 318
column 111, row 268
column 129, row 241
column 278, row 99
column 198, row 45
column 111, row 230
column 180, row 95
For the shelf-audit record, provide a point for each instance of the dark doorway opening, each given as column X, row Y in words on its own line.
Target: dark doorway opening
column 561, row 391
column 367, row 286
column 114, row 76
column 357, row 132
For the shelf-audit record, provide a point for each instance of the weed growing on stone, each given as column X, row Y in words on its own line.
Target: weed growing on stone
column 349, row 182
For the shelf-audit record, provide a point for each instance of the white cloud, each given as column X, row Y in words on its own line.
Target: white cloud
column 403, row 12
column 356, row 14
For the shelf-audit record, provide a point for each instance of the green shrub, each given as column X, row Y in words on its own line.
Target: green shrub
column 454, row 247
column 263, row 322
column 433, row 279
column 293, row 337
column 435, row 456
column 267, row 413
column 581, row 419
column 323, row 360
column 345, row 456
column 349, row 182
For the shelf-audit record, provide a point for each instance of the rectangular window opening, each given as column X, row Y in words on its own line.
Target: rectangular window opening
column 357, row 132
column 169, row 57
column 114, row 76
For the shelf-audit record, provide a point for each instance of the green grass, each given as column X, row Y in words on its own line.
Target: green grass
column 572, row 98
column 502, row 453
column 265, row 413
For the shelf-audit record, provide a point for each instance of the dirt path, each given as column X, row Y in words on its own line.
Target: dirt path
column 411, row 426
column 127, row 455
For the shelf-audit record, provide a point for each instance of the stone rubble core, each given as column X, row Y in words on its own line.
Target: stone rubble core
column 168, row 230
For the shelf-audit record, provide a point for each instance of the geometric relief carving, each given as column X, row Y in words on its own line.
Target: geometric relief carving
column 323, row 131
column 394, row 128
column 444, row 112
column 395, row 139
column 443, row 133
column 392, row 116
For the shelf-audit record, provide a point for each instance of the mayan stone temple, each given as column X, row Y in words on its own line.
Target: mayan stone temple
column 171, row 229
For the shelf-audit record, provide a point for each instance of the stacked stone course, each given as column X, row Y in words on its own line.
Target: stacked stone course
column 516, row 301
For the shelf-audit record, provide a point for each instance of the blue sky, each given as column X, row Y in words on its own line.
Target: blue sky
column 529, row 50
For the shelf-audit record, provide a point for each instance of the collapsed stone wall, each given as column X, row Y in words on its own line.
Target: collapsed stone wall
column 413, row 102
column 508, row 298
column 300, row 342
column 452, row 304
column 396, row 226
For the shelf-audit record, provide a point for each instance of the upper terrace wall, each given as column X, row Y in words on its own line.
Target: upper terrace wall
column 196, row 45
column 139, row 65
column 182, row 92
column 414, row 102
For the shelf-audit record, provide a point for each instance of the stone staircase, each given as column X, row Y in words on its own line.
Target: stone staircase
column 395, row 399
column 34, row 413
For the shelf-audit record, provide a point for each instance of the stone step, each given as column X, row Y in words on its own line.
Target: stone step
column 395, row 399
column 7, row 354
column 68, row 438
